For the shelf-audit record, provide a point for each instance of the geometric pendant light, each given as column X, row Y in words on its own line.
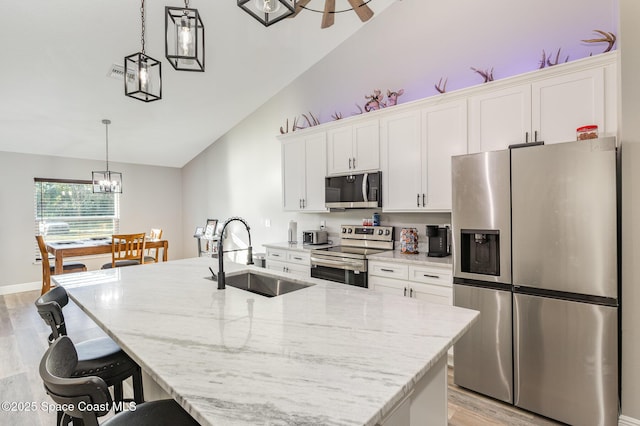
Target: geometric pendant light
column 268, row 12
column 143, row 74
column 107, row 181
column 184, row 38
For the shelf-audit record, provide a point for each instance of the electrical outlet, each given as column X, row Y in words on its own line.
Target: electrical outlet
column 323, row 224
column 267, row 223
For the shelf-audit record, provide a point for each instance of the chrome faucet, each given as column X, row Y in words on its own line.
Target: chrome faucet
column 221, row 252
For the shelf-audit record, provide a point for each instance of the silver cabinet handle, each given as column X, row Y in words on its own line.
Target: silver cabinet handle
column 275, row 255
column 304, row 203
column 535, row 136
column 422, row 200
column 405, row 292
column 349, row 163
column 386, row 270
column 300, row 203
column 526, row 137
column 297, row 258
column 411, row 293
column 432, row 276
column 354, row 162
column 418, row 199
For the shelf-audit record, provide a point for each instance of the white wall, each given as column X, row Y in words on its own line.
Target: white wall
column 151, row 199
column 629, row 135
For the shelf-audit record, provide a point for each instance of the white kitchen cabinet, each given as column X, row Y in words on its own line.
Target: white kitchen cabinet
column 292, row 261
column 303, row 172
column 425, row 282
column 353, row 148
column 548, row 109
column 417, row 146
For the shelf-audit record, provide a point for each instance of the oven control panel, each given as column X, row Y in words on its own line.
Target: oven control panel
column 376, row 233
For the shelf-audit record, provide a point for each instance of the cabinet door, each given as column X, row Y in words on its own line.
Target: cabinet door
column 293, row 174
column 499, row 118
column 402, row 162
column 273, row 265
column 432, row 293
column 340, row 150
column 316, row 170
column 445, row 135
column 562, row 104
column 389, row 286
column 366, row 146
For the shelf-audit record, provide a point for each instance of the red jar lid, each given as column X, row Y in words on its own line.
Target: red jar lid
column 587, row 128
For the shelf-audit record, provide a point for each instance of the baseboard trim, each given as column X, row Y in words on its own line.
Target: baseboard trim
column 628, row 421
column 20, row 288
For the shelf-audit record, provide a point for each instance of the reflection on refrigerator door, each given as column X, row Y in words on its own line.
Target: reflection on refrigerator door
column 482, row 357
column 566, row 359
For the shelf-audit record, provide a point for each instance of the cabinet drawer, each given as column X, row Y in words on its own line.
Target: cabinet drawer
column 389, row 270
column 430, row 275
column 277, row 254
column 299, row 257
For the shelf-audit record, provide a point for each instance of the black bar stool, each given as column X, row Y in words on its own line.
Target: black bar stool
column 100, row 357
column 88, row 398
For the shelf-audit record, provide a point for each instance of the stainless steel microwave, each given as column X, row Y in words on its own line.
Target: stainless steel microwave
column 353, row 191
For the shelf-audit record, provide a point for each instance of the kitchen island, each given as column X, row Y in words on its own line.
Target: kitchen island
column 329, row 354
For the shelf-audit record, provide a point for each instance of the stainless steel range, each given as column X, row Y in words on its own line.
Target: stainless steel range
column 347, row 263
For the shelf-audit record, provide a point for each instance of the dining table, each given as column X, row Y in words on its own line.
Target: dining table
column 94, row 246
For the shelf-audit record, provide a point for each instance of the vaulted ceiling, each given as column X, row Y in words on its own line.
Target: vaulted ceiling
column 56, row 57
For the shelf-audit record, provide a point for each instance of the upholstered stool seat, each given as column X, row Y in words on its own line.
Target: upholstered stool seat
column 88, row 398
column 100, row 357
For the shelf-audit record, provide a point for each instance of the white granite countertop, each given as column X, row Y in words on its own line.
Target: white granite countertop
column 416, row 259
column 296, row 246
column 328, row 354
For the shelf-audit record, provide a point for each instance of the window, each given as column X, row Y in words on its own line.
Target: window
column 67, row 210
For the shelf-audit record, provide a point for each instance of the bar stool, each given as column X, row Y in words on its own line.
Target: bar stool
column 88, row 398
column 100, row 357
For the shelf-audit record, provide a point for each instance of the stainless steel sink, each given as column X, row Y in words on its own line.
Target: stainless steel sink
column 264, row 285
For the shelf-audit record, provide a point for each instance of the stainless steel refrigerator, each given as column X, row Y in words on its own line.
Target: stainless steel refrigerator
column 535, row 241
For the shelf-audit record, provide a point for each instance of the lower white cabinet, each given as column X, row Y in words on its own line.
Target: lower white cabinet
column 292, row 261
column 426, row 282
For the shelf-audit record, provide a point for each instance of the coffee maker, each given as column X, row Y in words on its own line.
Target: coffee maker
column 439, row 241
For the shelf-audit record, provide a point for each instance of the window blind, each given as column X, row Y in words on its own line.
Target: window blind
column 68, row 210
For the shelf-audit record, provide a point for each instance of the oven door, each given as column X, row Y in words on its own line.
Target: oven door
column 339, row 269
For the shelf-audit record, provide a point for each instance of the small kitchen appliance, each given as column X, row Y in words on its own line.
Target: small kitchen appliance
column 347, row 262
column 439, row 241
column 314, row 237
column 353, row 191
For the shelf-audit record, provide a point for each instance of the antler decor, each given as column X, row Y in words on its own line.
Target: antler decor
column 546, row 60
column 313, row 122
column 607, row 37
column 486, row 74
column 293, row 128
column 337, row 116
column 441, row 88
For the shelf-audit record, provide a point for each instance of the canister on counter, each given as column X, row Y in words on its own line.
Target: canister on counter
column 409, row 241
column 587, row 132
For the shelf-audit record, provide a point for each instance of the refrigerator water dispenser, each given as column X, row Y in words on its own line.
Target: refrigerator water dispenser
column 480, row 251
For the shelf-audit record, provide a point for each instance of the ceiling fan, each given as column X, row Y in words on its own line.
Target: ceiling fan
column 363, row 11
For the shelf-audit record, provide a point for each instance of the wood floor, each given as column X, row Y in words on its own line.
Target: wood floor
column 23, row 340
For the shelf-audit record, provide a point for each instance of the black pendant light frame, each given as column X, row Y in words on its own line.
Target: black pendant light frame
column 172, row 22
column 264, row 18
column 145, row 89
column 106, row 182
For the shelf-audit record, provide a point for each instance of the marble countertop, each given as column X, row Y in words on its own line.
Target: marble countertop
column 417, row 259
column 328, row 354
column 297, row 246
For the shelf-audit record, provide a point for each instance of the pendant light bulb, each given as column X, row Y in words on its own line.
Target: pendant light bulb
column 185, row 37
column 143, row 75
column 268, row 6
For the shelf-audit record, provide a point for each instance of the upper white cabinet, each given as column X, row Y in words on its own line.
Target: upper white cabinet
column 304, row 166
column 353, row 148
column 548, row 109
column 417, row 146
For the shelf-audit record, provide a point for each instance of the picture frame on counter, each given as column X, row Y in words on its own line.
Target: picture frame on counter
column 199, row 232
column 210, row 228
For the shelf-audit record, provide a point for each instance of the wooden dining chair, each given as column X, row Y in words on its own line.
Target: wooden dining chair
column 47, row 268
column 153, row 254
column 126, row 250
